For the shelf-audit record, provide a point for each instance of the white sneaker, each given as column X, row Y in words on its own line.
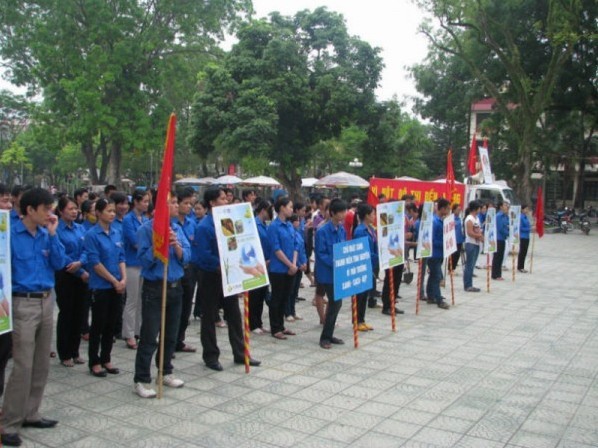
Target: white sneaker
column 290, row 319
column 172, row 381
column 144, row 391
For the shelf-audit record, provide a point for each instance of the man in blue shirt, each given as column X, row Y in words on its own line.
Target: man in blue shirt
column 187, row 223
column 502, row 234
column 205, row 256
column 326, row 237
column 524, row 233
column 263, row 212
column 443, row 208
column 152, row 271
column 36, row 253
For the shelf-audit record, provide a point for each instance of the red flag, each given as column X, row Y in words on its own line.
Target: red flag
column 450, row 176
column 539, row 213
column 161, row 228
column 472, row 159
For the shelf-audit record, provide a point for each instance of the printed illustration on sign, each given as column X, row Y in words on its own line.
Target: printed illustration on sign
column 391, row 233
column 426, row 223
column 514, row 223
column 5, row 277
column 241, row 258
column 449, row 235
column 490, row 245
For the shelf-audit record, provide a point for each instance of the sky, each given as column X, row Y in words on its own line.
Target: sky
column 388, row 24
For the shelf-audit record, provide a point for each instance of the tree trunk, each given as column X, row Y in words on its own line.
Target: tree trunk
column 114, row 160
column 90, row 157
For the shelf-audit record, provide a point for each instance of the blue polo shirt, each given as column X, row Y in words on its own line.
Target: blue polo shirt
column 72, row 236
column 326, row 237
column 437, row 238
column 130, row 227
column 300, row 247
column 204, row 249
column 502, row 226
column 14, row 217
column 117, row 225
column 34, row 258
column 524, row 227
column 106, row 248
column 363, row 231
column 282, row 236
column 152, row 268
column 262, row 230
column 459, row 230
column 188, row 226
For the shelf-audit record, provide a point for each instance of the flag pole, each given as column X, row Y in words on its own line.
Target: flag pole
column 419, row 285
column 355, row 323
column 451, row 273
column 246, row 330
column 531, row 263
column 162, row 332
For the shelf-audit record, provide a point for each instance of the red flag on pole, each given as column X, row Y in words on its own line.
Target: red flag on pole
column 161, row 228
column 539, row 213
column 450, row 176
column 472, row 159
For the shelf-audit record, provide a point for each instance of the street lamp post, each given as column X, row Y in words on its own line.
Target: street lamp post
column 355, row 163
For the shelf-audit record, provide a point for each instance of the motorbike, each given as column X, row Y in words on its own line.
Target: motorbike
column 560, row 220
column 584, row 223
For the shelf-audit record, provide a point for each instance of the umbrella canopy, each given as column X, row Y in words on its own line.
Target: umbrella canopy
column 228, row 180
column 342, row 179
column 308, row 182
column 261, row 180
column 196, row 181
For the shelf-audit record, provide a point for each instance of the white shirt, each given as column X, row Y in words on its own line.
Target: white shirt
column 476, row 223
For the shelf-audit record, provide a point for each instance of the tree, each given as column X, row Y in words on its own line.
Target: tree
column 15, row 160
column 14, row 117
column 288, row 84
column 516, row 50
column 107, row 69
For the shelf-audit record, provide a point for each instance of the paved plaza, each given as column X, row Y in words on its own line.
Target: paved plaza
column 516, row 367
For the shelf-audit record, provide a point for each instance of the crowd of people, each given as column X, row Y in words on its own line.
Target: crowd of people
column 96, row 252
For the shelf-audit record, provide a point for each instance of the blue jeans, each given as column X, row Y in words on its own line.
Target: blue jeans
column 471, row 255
column 434, row 279
column 151, row 307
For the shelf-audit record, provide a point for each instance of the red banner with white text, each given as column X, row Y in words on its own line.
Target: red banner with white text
column 423, row 191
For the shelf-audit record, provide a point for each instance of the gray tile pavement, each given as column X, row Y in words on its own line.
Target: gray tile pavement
column 513, row 368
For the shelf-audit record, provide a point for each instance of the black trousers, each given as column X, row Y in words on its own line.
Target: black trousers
column 523, row 246
column 256, row 307
column 281, row 284
column 105, row 306
column 455, row 256
column 188, row 282
column 5, row 351
column 334, row 306
column 71, row 294
column 497, row 259
column 211, row 299
column 397, row 276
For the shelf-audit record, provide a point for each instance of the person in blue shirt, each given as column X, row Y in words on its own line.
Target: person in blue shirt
column 121, row 202
column 71, row 285
column 88, row 212
column 524, row 233
column 283, row 265
column 443, row 208
column 152, row 272
column 502, row 234
column 132, row 310
column 290, row 313
column 205, row 256
column 105, row 262
column 366, row 216
column 263, row 214
column 187, row 223
column 326, row 237
column 459, row 235
column 36, row 253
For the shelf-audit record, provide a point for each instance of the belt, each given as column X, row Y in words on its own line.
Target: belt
column 159, row 282
column 32, row 295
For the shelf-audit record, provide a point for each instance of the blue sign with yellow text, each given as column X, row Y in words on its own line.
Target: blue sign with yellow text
column 352, row 268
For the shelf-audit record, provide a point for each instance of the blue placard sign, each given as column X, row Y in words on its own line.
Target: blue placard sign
column 352, row 268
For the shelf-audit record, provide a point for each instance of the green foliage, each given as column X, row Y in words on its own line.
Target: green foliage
column 288, row 84
column 112, row 71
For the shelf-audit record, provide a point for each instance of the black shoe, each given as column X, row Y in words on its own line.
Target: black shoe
column 111, row 370
column 252, row 362
column 397, row 311
column 300, row 299
column 372, row 303
column 100, row 374
column 11, row 439
column 444, row 305
column 336, row 341
column 431, row 302
column 42, row 423
column 215, row 366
